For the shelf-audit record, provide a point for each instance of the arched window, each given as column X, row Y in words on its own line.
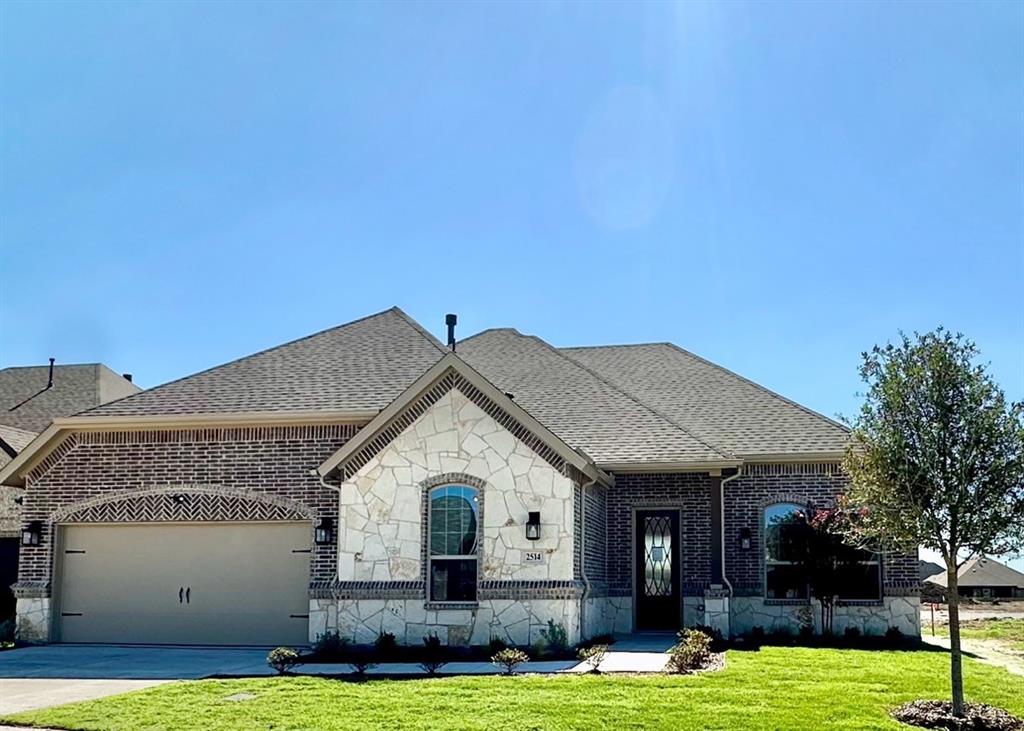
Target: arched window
column 785, row 526
column 453, row 543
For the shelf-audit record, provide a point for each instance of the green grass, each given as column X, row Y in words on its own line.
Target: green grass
column 1010, row 631
column 775, row 688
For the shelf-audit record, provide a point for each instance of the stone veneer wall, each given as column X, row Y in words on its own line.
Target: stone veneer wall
column 128, row 476
column 382, row 530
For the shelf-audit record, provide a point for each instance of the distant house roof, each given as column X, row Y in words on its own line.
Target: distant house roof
column 927, row 569
column 26, row 403
column 982, row 571
column 715, row 404
column 361, row 366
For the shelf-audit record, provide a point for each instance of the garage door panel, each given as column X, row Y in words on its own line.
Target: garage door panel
column 230, row 583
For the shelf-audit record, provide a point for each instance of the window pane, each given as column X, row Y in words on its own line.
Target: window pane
column 785, row 532
column 859, row 581
column 784, row 582
column 453, row 521
column 452, row 580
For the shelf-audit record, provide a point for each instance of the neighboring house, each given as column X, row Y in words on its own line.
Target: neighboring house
column 984, row 578
column 368, row 479
column 30, row 398
column 928, row 569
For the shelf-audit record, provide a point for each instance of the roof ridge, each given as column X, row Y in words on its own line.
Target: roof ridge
column 758, row 386
column 614, row 345
column 722, row 452
column 55, row 365
column 489, row 330
column 242, row 358
column 417, row 327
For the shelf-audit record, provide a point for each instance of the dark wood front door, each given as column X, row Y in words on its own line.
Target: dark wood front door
column 657, row 570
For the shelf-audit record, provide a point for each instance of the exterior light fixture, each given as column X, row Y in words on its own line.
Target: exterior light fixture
column 533, row 526
column 32, row 533
column 323, row 534
column 745, row 539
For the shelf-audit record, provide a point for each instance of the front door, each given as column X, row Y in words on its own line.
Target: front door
column 657, row 570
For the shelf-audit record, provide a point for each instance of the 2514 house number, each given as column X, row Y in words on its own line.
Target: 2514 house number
column 533, row 557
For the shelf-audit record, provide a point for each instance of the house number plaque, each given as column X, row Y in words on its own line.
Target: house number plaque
column 533, row 557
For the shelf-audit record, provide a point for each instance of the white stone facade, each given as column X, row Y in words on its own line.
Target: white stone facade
column 381, row 532
column 34, row 617
column 874, row 618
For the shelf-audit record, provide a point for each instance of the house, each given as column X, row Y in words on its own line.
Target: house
column 370, row 478
column 30, row 397
column 983, row 578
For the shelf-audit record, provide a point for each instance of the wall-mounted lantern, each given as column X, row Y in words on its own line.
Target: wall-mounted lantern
column 323, row 534
column 744, row 539
column 32, row 533
column 533, row 526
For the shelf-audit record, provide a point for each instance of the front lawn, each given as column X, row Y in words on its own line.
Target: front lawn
column 774, row 688
column 1009, row 631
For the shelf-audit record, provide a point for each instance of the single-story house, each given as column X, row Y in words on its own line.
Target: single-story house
column 983, row 578
column 370, row 478
column 30, row 397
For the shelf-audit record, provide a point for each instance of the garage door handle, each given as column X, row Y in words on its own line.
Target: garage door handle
column 181, row 593
column 188, row 594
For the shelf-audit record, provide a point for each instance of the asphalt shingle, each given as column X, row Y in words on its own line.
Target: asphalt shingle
column 26, row 403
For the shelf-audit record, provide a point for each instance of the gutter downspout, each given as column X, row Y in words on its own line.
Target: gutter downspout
column 721, row 487
column 583, row 556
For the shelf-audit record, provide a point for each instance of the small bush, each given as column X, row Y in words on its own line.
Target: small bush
column 593, row 656
column 851, row 635
column 433, row 654
column 556, row 638
column 361, row 660
column 282, row 659
column 756, row 636
column 717, row 638
column 692, row 652
column 495, row 645
column 7, row 631
column 806, row 633
column 605, row 639
column 330, row 646
column 893, row 636
column 385, row 645
column 509, row 659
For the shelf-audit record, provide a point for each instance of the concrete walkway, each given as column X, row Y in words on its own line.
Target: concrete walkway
column 28, row 694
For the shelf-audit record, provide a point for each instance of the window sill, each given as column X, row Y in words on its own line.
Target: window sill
column 436, row 606
column 786, row 602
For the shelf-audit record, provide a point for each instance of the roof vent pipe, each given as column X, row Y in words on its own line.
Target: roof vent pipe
column 49, row 383
column 450, row 320
column 127, row 377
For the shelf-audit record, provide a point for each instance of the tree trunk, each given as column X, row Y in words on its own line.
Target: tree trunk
column 955, row 660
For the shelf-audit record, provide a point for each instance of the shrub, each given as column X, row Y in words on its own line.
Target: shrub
column 282, row 659
column 605, row 639
column 361, row 660
column 593, row 656
column 509, row 659
column 495, row 645
column 806, row 632
column 433, row 654
column 894, row 636
column 330, row 646
column 851, row 635
column 385, row 645
column 717, row 638
column 7, row 630
column 756, row 636
column 556, row 638
column 691, row 653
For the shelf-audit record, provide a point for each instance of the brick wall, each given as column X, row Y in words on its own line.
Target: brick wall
column 690, row 492
column 596, row 538
column 817, row 484
column 270, row 461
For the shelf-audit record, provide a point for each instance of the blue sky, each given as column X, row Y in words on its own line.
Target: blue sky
column 773, row 186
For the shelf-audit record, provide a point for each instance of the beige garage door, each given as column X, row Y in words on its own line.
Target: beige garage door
column 185, row 583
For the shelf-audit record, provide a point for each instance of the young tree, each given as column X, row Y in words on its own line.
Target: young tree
column 936, row 460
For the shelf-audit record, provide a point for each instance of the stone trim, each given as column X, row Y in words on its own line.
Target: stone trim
column 447, row 382
column 31, row 589
column 449, row 478
column 156, row 504
column 366, row 590
column 527, row 589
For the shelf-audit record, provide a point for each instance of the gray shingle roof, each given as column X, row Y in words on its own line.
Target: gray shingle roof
column 982, row 571
column 360, row 366
column 583, row 409
column 717, row 405
column 75, row 388
column 16, row 439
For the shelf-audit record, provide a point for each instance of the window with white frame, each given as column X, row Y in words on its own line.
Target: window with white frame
column 453, row 542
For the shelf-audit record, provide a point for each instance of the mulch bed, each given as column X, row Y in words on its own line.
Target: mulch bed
column 939, row 714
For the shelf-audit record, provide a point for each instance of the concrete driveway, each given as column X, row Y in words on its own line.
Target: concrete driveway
column 50, row 675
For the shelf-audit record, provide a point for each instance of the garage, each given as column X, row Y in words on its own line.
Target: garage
column 184, row 583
